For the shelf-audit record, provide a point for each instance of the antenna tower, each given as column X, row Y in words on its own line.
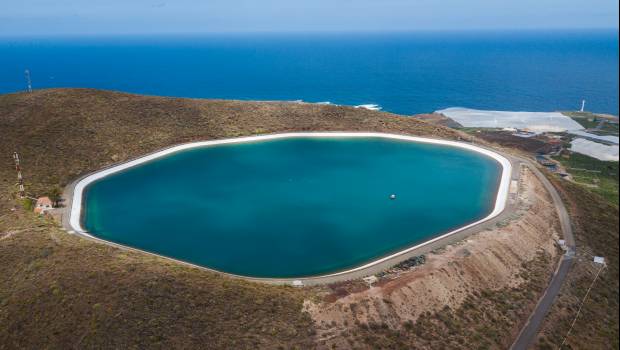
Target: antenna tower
column 28, row 81
column 20, row 179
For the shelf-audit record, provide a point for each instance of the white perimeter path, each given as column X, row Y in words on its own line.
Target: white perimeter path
column 500, row 200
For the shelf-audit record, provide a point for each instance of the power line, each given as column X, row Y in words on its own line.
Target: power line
column 581, row 306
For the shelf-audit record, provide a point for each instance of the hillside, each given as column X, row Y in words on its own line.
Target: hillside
column 86, row 129
column 58, row 290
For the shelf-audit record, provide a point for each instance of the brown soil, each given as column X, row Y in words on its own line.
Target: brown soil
column 438, row 119
column 506, row 139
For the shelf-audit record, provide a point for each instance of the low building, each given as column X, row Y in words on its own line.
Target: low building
column 524, row 133
column 562, row 244
column 43, row 204
column 547, row 163
column 298, row 283
column 370, row 280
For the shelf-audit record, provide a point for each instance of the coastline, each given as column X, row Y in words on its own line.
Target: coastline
column 74, row 193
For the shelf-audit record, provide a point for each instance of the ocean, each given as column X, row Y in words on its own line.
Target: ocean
column 405, row 73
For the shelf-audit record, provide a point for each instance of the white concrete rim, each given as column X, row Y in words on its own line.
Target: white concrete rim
column 500, row 200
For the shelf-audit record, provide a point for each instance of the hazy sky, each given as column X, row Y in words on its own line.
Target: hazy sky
column 26, row 17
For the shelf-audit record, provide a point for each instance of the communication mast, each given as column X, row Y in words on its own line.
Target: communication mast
column 28, row 81
column 20, row 179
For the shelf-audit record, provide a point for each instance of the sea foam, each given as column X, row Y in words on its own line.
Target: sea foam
column 370, row 106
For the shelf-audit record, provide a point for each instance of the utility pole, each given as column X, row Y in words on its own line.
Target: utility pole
column 583, row 105
column 28, row 80
column 20, row 179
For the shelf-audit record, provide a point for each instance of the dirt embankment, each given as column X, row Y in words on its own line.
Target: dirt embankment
column 490, row 260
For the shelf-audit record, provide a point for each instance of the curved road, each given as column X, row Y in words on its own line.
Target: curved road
column 529, row 331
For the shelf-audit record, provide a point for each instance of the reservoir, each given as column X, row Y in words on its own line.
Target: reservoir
column 294, row 206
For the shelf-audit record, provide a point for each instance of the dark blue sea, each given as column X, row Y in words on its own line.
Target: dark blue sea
column 404, row 73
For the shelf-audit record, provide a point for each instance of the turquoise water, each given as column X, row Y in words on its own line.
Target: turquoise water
column 405, row 73
column 292, row 207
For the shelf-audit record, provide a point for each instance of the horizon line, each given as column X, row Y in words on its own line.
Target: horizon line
column 321, row 32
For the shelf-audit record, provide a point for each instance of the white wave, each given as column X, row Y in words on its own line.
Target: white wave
column 370, row 106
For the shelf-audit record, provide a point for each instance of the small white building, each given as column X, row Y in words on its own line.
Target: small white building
column 43, row 204
column 298, row 283
column 372, row 279
column 562, row 243
column 599, row 260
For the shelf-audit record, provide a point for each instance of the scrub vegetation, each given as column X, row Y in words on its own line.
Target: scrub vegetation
column 595, row 224
column 58, row 290
column 595, row 175
column 62, row 291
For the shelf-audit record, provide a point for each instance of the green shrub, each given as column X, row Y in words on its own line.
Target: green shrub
column 28, row 204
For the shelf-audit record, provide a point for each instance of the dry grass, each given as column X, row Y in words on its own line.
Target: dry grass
column 596, row 232
column 60, row 291
column 66, row 132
